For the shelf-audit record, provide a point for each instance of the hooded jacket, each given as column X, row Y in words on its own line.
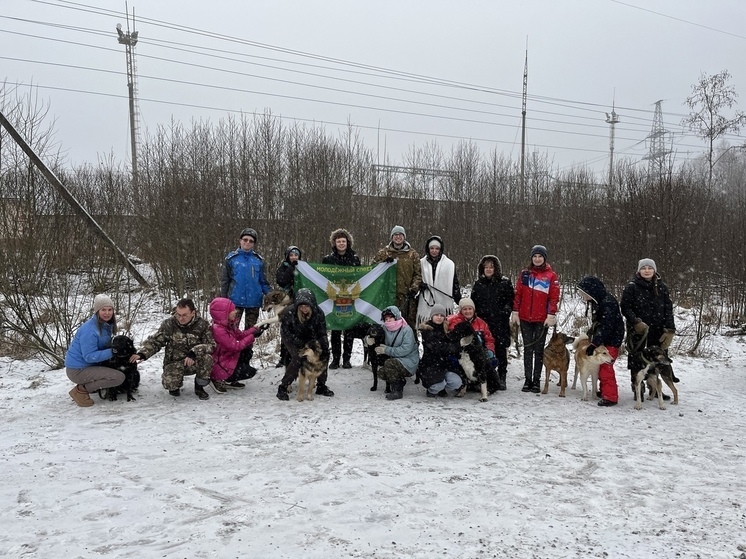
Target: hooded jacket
column 401, row 343
column 299, row 332
column 242, row 278
column 608, row 326
column 229, row 340
column 493, row 300
column 348, row 258
column 439, row 282
column 435, row 361
column 285, row 274
column 649, row 302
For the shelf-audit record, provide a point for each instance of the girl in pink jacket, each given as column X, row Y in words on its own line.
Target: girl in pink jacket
column 233, row 347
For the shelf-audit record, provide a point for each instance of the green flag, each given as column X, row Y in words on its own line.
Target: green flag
column 349, row 294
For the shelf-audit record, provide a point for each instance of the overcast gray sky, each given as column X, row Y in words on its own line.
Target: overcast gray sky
column 407, row 72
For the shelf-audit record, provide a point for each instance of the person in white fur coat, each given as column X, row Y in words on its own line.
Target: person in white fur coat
column 439, row 281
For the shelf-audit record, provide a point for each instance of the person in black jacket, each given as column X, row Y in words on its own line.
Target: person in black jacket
column 285, row 279
column 648, row 310
column 341, row 255
column 607, row 329
column 304, row 322
column 436, row 366
column 493, row 297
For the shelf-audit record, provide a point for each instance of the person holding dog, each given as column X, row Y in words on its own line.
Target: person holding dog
column 648, row 310
column 341, row 255
column 242, row 278
column 232, row 355
column 467, row 313
column 304, row 323
column 439, row 281
column 401, row 347
column 493, row 296
column 90, row 346
column 188, row 342
column 285, row 279
column 607, row 329
column 408, row 273
column 537, row 293
column 435, row 368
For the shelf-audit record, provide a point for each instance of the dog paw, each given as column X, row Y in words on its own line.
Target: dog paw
column 483, row 399
column 638, row 406
column 662, row 407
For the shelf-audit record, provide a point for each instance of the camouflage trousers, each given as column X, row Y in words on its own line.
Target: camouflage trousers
column 174, row 373
column 393, row 371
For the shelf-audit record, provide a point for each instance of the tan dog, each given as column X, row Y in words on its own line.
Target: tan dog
column 557, row 358
column 312, row 368
column 588, row 365
column 277, row 301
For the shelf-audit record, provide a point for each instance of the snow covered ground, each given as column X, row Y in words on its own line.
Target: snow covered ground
column 245, row 475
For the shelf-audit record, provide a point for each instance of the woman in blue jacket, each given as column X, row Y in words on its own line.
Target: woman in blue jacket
column 90, row 346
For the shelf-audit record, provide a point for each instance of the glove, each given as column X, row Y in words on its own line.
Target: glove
column 493, row 362
column 514, row 318
column 666, row 338
column 590, row 349
column 380, row 349
column 389, row 259
column 640, row 327
column 257, row 331
column 550, row 321
column 490, row 354
column 294, row 263
column 141, row 356
column 424, row 286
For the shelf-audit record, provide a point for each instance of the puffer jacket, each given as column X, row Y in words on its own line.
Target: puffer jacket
column 229, row 340
column 649, row 302
column 493, row 301
column 91, row 344
column 537, row 293
column 242, row 279
column 194, row 338
column 435, row 361
column 299, row 332
column 479, row 325
column 401, row 344
column 608, row 326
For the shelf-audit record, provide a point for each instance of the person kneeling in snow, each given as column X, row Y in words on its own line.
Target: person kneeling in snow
column 401, row 346
column 304, row 322
column 436, row 369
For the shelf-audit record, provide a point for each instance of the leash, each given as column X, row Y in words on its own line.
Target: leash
column 633, row 349
column 536, row 341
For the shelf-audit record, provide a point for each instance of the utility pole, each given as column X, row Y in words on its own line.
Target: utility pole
column 129, row 40
column 611, row 120
column 523, row 127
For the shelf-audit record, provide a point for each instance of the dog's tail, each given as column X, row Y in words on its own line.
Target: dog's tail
column 579, row 339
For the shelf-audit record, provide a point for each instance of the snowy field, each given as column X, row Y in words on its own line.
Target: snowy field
column 245, row 475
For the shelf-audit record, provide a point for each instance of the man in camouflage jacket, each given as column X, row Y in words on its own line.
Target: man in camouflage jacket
column 189, row 345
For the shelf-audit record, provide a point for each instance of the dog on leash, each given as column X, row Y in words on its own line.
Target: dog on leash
column 557, row 358
column 657, row 366
column 312, row 368
column 588, row 365
column 374, row 337
column 123, row 348
column 472, row 358
column 276, row 301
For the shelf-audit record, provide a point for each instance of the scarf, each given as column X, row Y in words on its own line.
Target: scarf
column 440, row 287
column 394, row 325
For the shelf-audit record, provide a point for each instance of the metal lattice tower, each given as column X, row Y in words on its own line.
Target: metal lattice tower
column 612, row 120
column 129, row 40
column 657, row 151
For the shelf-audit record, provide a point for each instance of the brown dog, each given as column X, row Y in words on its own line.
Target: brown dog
column 588, row 365
column 277, row 301
column 557, row 358
column 312, row 368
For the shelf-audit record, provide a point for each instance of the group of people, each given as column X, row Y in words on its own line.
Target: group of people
column 428, row 301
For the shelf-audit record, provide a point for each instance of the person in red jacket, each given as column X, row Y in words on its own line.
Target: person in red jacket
column 535, row 305
column 467, row 313
column 233, row 347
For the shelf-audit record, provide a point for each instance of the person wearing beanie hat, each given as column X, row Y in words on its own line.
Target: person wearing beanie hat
column 648, row 311
column 439, row 280
column 408, row 273
column 468, row 314
column 438, row 363
column 401, row 348
column 341, row 255
column 90, row 346
column 242, row 278
column 285, row 279
column 493, row 296
column 535, row 305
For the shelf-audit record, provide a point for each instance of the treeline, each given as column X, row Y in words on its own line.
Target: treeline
column 199, row 185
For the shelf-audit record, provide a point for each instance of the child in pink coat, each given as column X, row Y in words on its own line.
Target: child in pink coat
column 233, row 347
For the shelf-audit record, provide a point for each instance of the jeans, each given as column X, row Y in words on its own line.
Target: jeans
column 451, row 382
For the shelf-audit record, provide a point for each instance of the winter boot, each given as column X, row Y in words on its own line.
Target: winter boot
column 282, row 393
column 527, row 385
column 175, row 392
column 218, row 386
column 397, row 390
column 536, row 384
column 335, row 362
column 323, row 390
column 346, row 362
column 199, row 390
column 81, row 397
column 501, row 380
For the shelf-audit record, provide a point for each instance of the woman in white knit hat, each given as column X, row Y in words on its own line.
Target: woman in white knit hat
column 90, row 346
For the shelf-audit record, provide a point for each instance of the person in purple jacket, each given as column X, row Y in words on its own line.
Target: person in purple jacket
column 90, row 346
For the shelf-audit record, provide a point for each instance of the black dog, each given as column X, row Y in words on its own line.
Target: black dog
column 123, row 348
column 374, row 337
column 472, row 359
column 656, row 365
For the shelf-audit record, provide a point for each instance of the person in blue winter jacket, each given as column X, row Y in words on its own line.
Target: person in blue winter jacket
column 242, row 279
column 90, row 346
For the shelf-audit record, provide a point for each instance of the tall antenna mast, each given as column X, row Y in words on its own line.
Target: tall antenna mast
column 657, row 147
column 611, row 120
column 129, row 40
column 523, row 126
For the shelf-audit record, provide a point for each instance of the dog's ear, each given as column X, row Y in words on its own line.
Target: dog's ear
column 466, row 340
